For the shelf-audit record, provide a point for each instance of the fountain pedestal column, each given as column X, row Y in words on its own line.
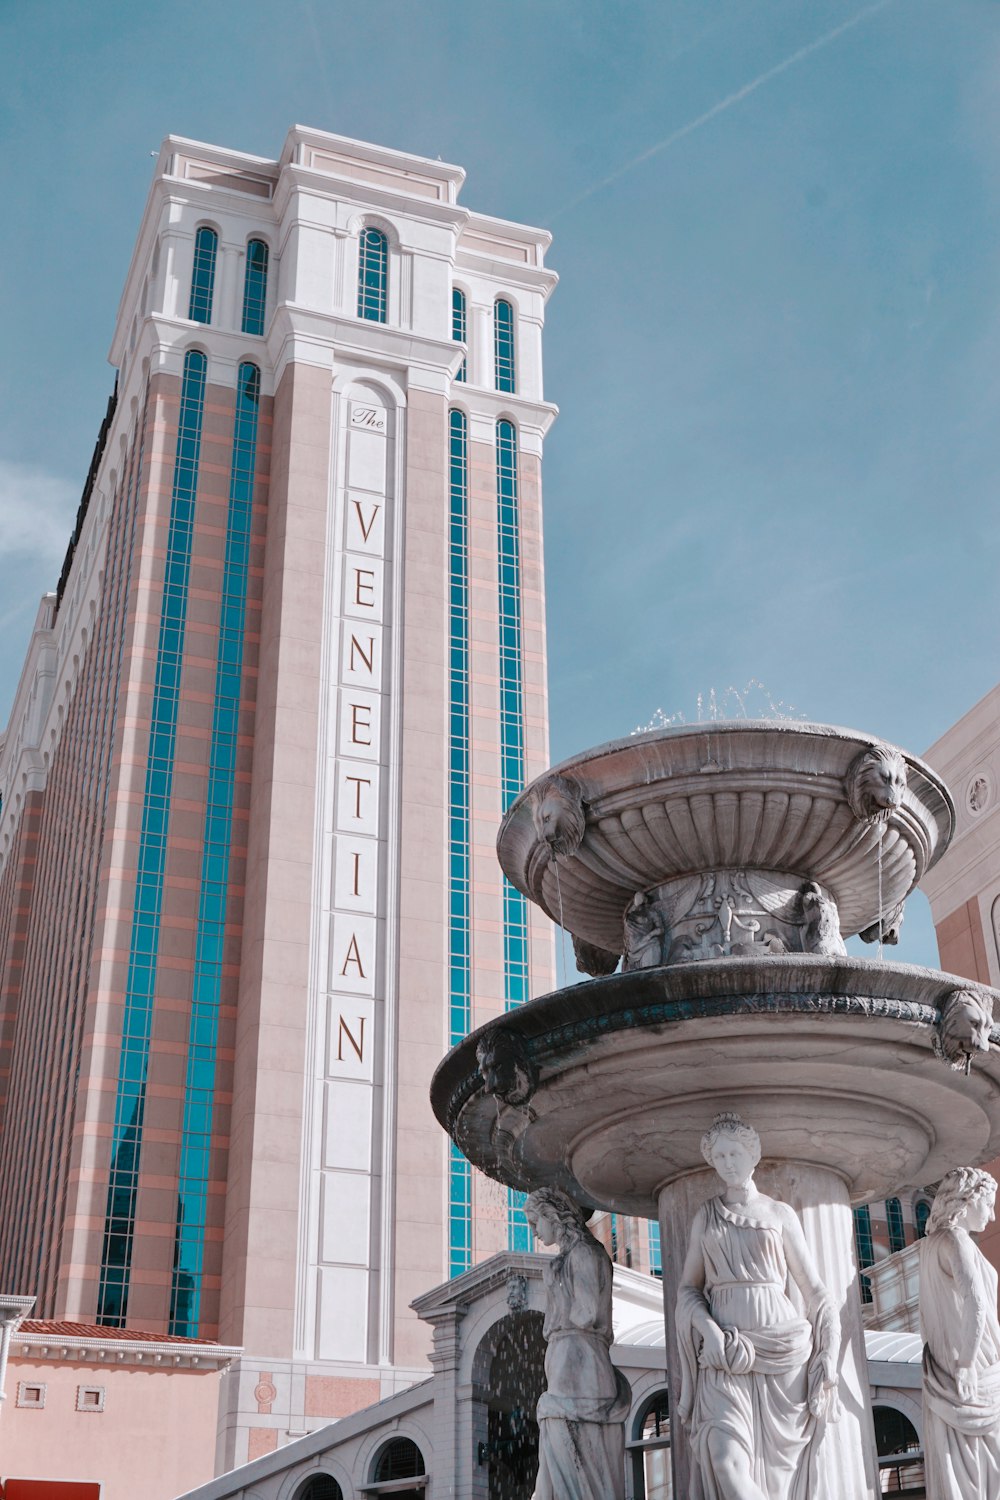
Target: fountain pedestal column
column 845, row 1462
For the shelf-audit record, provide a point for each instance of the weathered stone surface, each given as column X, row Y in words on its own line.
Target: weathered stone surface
column 805, row 801
column 958, row 1321
column 581, row 1414
column 834, row 1058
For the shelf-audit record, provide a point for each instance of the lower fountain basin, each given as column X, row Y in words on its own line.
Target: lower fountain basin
column 833, row 1059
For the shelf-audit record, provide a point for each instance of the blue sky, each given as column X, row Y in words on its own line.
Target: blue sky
column 776, row 341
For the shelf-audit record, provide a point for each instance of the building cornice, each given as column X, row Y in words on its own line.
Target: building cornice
column 95, row 1349
column 303, row 138
column 296, row 178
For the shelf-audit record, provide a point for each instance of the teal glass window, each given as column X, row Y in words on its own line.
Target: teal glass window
column 255, row 287
column 515, row 907
column 864, row 1246
column 655, row 1252
column 459, row 325
column 459, row 925
column 373, row 275
column 894, row 1221
column 199, row 1089
column 921, row 1214
column 503, row 345
column 206, row 247
column 130, row 1098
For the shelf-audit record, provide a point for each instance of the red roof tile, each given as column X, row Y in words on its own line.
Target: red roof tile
column 70, row 1332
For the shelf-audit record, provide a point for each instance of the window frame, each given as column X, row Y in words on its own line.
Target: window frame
column 194, row 293
column 381, row 315
column 255, row 239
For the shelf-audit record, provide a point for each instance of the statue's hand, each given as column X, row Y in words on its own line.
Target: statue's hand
column 967, row 1383
column 825, row 1403
column 712, row 1355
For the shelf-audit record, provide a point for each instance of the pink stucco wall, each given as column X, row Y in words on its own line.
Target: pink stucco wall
column 158, row 1426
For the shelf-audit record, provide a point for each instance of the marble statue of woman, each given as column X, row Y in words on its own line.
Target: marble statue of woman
column 758, row 1375
column 581, row 1413
column 958, row 1321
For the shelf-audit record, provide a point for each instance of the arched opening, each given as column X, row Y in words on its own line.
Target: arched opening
column 398, row 1460
column 319, row 1487
column 373, row 275
column 509, row 1378
column 900, row 1460
column 649, row 1450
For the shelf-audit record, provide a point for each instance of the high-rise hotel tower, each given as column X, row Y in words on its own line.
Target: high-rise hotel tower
column 293, row 673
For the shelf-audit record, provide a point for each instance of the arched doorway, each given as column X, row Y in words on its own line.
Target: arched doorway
column 509, row 1375
column 900, row 1460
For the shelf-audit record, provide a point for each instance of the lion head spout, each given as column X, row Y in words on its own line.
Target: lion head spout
column 875, row 783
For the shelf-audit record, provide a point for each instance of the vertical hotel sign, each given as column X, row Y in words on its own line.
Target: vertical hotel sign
column 355, row 848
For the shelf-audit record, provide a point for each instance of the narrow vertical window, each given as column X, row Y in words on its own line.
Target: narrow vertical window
column 459, row 916
column 255, row 287
column 206, row 245
column 864, row 1248
column 503, row 345
column 458, row 324
column 144, row 942
column 894, row 1220
column 921, row 1214
column 373, row 275
column 194, row 1178
column 515, row 911
column 655, row 1252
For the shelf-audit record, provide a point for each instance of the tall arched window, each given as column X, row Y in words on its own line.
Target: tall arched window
column 459, row 909
column 503, row 345
column 458, row 324
column 206, row 245
column 863, row 1246
column 195, row 1181
column 255, row 287
column 373, row 275
column 921, row 1214
column 894, row 1220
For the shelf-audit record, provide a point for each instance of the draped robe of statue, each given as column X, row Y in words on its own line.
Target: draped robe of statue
column 958, row 1321
column 761, row 1401
column 581, row 1413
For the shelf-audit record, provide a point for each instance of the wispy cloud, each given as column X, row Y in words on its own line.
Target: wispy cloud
column 36, row 513
column 717, row 109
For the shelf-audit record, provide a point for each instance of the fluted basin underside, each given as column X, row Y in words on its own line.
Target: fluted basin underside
column 833, row 1059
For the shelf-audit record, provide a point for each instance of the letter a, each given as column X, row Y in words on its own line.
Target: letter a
column 353, row 957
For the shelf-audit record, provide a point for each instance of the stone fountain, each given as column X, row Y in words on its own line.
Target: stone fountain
column 721, row 866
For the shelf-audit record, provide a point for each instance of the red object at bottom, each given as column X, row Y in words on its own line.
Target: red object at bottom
column 51, row 1489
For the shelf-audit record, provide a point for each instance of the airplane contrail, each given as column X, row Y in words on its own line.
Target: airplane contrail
column 724, row 104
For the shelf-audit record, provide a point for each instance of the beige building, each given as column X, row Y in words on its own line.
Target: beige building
column 964, row 887
column 291, row 676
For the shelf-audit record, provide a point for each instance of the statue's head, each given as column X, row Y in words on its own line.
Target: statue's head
column 558, row 815
column 965, row 1196
column 505, row 1067
column 554, row 1216
column 732, row 1147
column 875, row 783
column 964, row 1027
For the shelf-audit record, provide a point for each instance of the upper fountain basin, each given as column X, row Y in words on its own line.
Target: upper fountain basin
column 762, row 809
